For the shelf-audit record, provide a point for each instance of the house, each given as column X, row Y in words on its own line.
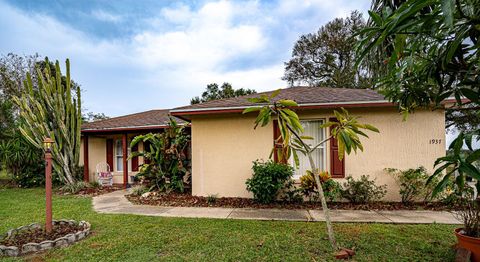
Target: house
column 108, row 141
column 224, row 143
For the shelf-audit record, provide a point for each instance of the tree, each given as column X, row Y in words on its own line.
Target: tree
column 213, row 92
column 7, row 119
column 51, row 111
column 91, row 117
column 327, row 57
column 347, row 131
column 13, row 71
column 464, row 119
column 432, row 55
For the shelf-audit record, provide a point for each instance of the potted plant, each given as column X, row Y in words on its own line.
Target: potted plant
column 459, row 166
column 468, row 236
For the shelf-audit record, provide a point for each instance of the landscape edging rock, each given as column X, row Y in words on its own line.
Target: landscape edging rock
column 30, row 248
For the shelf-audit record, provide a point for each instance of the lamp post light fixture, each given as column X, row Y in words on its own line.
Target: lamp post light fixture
column 47, row 144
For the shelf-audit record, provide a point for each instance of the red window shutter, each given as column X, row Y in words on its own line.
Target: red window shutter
column 110, row 153
column 337, row 167
column 135, row 159
column 277, row 144
column 146, row 148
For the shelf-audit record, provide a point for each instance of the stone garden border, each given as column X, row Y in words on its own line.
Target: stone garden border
column 30, row 248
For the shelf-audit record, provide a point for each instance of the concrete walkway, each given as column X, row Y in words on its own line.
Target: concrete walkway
column 116, row 203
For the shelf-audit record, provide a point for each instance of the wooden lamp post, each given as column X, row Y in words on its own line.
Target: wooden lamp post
column 47, row 144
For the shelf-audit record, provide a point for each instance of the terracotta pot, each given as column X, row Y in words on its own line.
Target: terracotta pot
column 469, row 243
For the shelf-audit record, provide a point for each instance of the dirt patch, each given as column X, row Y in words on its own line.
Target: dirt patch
column 187, row 200
column 37, row 235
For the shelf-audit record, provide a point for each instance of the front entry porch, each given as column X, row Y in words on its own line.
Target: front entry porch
column 111, row 149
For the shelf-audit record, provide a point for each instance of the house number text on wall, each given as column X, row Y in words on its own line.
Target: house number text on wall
column 435, row 141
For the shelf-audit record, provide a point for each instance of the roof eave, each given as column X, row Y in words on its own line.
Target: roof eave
column 239, row 109
column 125, row 128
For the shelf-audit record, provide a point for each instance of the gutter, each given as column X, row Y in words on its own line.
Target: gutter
column 122, row 128
column 236, row 109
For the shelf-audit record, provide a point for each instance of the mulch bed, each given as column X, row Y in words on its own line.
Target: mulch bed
column 93, row 191
column 39, row 234
column 187, row 200
column 6, row 183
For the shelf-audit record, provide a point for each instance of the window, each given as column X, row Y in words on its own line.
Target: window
column 312, row 128
column 119, row 155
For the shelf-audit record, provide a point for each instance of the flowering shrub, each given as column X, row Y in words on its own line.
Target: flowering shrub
column 331, row 188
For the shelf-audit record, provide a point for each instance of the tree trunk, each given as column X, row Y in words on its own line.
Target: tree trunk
column 326, row 211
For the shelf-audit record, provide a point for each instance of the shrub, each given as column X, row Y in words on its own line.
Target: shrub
column 75, row 187
column 363, row 190
column 23, row 162
column 138, row 190
column 308, row 187
column 332, row 190
column 291, row 193
column 211, row 199
column 412, row 183
column 268, row 179
column 95, row 184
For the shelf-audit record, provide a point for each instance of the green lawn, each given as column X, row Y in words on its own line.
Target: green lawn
column 138, row 238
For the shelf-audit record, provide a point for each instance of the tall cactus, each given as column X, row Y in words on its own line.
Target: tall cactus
column 51, row 111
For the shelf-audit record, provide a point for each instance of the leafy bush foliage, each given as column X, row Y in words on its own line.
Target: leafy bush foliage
column 412, row 183
column 331, row 188
column 23, row 162
column 363, row 190
column 95, row 184
column 138, row 190
column 211, row 199
column 166, row 168
column 467, row 210
column 75, row 187
column 290, row 193
column 268, row 179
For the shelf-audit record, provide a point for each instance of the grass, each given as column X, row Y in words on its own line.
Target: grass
column 139, row 238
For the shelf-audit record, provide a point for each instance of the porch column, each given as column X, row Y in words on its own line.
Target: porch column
column 86, row 175
column 125, row 160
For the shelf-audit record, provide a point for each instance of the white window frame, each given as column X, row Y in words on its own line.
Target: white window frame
column 120, row 154
column 323, row 147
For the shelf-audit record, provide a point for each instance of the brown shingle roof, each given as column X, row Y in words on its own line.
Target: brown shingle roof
column 148, row 119
column 303, row 95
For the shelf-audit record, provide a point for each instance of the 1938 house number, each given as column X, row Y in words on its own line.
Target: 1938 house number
column 435, row 141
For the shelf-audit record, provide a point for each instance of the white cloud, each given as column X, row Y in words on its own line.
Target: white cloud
column 209, row 38
column 180, row 14
column 177, row 54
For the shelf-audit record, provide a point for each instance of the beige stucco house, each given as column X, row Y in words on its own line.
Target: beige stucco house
column 224, row 143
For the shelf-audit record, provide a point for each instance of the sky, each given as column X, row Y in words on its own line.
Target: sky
column 131, row 56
